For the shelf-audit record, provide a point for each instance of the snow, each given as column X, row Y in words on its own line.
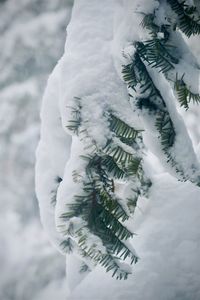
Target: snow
column 168, row 243
column 183, row 146
column 167, row 239
column 32, row 39
column 188, row 64
column 54, row 290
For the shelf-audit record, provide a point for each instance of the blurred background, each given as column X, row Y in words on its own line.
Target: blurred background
column 32, row 37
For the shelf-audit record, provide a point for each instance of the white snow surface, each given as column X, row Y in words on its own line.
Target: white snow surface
column 32, row 36
column 52, row 153
column 168, row 239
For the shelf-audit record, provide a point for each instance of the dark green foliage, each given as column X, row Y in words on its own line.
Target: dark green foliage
column 153, row 101
column 135, row 167
column 119, row 154
column 190, row 10
column 166, row 129
column 100, row 210
column 129, row 75
column 103, row 216
column 149, row 24
column 121, row 129
column 146, row 103
column 109, row 263
column 157, row 54
column 101, row 233
column 125, row 133
column 110, row 164
column 185, row 96
column 145, row 82
column 187, row 22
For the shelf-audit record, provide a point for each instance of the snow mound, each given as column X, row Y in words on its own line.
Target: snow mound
column 167, row 239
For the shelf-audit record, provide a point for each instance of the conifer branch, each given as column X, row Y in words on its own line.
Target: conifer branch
column 185, row 96
column 157, row 52
column 187, row 22
column 97, row 206
column 152, row 101
column 121, row 129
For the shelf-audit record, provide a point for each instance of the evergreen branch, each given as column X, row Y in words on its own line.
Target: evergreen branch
column 119, row 154
column 163, row 121
column 79, row 207
column 135, row 167
column 95, row 170
column 148, row 23
column 112, row 167
column 111, row 222
column 166, row 129
column 114, row 245
column 111, row 203
column 157, row 54
column 82, row 204
column 116, row 250
column 130, row 142
column 132, row 168
column 186, row 20
column 129, row 76
column 122, row 129
column 190, row 10
column 104, row 216
column 185, row 96
column 146, row 83
column 110, row 263
column 146, row 103
column 101, row 212
column 153, row 101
